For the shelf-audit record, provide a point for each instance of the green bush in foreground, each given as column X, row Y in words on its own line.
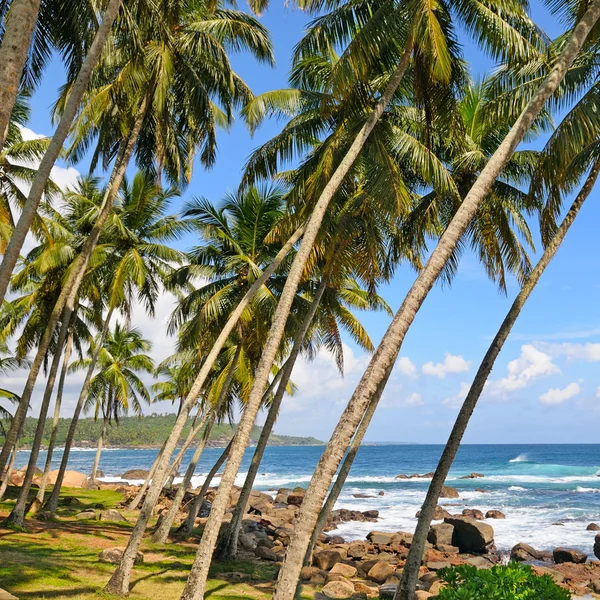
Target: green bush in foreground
column 512, row 582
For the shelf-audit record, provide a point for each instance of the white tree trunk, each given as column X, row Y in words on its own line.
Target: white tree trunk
column 9, row 471
column 99, row 450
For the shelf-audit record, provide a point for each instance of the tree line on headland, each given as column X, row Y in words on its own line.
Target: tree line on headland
column 389, row 158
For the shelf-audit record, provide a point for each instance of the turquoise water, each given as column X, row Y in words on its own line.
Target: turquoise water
column 549, row 493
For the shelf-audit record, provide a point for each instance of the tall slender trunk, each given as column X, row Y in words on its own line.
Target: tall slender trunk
column 162, row 533
column 99, row 449
column 17, row 516
column 138, row 497
column 56, row 416
column 75, row 275
column 20, row 25
column 52, row 502
column 196, row 584
column 188, row 525
column 9, row 471
column 77, row 90
column 119, row 582
column 230, row 542
column 382, row 362
column 340, row 480
column 410, row 573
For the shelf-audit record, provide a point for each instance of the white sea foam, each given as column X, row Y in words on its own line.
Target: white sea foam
column 587, row 490
column 520, row 458
column 517, row 488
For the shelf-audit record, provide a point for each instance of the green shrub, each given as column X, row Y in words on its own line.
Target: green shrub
column 512, row 582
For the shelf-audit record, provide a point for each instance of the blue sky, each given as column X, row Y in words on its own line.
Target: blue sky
column 545, row 387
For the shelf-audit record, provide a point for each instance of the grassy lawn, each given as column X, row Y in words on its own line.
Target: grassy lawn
column 59, row 560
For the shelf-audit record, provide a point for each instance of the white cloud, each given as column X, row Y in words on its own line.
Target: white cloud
column 587, row 352
column 558, row 396
column 406, row 367
column 457, row 400
column 414, row 399
column 531, row 365
column 598, row 392
column 451, row 364
column 394, row 398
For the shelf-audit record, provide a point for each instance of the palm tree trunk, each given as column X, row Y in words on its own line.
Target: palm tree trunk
column 119, row 582
column 382, row 362
column 75, row 276
column 340, row 480
column 20, row 25
column 56, row 416
column 99, row 449
column 162, row 533
column 230, row 542
column 188, row 525
column 196, row 584
column 9, row 470
column 410, row 573
column 17, row 516
column 52, row 502
column 138, row 498
column 23, row 37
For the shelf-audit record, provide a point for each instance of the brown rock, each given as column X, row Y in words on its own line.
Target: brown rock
column 334, row 577
column 370, row 591
column 422, row 595
column 482, row 491
column 448, row 548
column 524, row 553
column 266, row 553
column 382, row 538
column 402, row 538
column 494, row 514
column 307, row 572
column 440, row 534
column 380, row 571
column 112, row 515
column 319, row 578
column 358, row 549
column 568, row 555
column 326, row 559
column 439, row 514
column 338, row 590
column 381, row 493
column 437, row 565
column 593, row 527
column 86, row 514
column 449, row 492
column 296, row 496
column 4, row 595
column 473, row 513
column 344, row 570
column 595, row 586
column 114, row 555
column 473, row 476
column 471, row 536
column 436, row 587
column 71, row 479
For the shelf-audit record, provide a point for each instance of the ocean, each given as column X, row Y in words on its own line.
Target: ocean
column 549, row 493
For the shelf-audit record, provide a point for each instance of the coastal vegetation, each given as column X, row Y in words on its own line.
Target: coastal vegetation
column 389, row 156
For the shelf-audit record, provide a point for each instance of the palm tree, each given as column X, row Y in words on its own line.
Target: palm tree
column 384, row 358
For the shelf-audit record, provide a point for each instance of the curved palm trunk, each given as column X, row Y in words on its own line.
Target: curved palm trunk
column 119, row 582
column 188, row 525
column 196, row 584
column 410, row 573
column 56, row 416
column 99, row 449
column 78, row 88
column 52, row 502
column 138, row 498
column 20, row 25
column 75, row 276
column 9, row 471
column 381, row 364
column 17, row 516
column 230, row 542
column 340, row 480
column 162, row 533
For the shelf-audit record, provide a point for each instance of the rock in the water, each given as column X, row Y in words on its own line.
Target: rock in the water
column 525, row 553
column 135, row 474
column 416, row 476
column 86, row 514
column 449, row 492
column 387, row 591
column 494, row 514
column 381, row 493
column 593, row 527
column 439, row 514
column 326, row 559
column 441, row 534
column 473, row 513
column 473, row 476
column 568, row 555
column 338, row 590
column 112, row 515
column 266, row 553
column 380, row 571
column 344, row 570
column 114, row 555
column 362, row 496
column 471, row 536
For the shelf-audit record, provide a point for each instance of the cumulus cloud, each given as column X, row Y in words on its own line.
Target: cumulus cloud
column 451, row 364
column 396, row 399
column 588, row 352
column 406, row 367
column 457, row 400
column 523, row 371
column 558, row 396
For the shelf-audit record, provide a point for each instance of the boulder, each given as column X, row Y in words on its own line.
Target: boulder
column 449, row 492
column 358, row 549
column 363, row 496
column 4, row 595
column 473, row 476
column 387, row 591
column 114, row 555
column 111, row 515
column 86, row 514
column 283, row 534
column 266, row 553
column 524, row 553
column 307, row 572
column 381, row 493
column 318, row 578
column 416, row 476
column 471, row 536
column 344, row 570
column 135, row 474
column 71, row 479
column 436, row 565
column 473, row 513
column 593, row 527
column 439, row 514
column 447, row 548
column 422, row 595
column 478, row 562
column 380, row 571
column 35, row 507
column 494, row 514
column 482, row 491
column 338, row 590
column 568, row 555
column 382, row 538
column 441, row 534
column 248, row 542
column 336, row 540
column 326, row 559
column 371, row 514
column 296, row 496
column 593, row 585
column 370, row 591
column 402, row 538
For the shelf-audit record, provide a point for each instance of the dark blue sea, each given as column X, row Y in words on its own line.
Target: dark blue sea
column 549, row 493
